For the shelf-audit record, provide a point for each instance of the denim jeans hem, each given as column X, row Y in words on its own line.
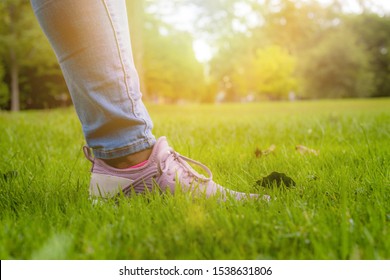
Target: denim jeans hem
column 126, row 150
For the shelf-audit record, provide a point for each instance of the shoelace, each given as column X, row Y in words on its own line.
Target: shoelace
column 172, row 156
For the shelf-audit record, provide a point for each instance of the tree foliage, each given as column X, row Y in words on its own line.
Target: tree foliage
column 171, row 70
column 330, row 54
column 4, row 91
column 373, row 35
column 263, row 49
column 32, row 73
column 337, row 67
column 256, row 72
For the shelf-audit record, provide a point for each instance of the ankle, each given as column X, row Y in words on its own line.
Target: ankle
column 129, row 160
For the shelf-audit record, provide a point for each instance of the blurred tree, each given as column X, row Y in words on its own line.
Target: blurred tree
column 332, row 58
column 249, row 60
column 338, row 67
column 163, row 55
column 373, row 34
column 4, row 92
column 292, row 24
column 231, row 65
column 12, row 23
column 170, row 66
column 26, row 60
column 264, row 72
column 273, row 70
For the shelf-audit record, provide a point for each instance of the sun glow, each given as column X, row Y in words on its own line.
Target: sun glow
column 203, row 51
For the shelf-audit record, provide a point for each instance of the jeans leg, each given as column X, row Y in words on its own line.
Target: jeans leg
column 92, row 43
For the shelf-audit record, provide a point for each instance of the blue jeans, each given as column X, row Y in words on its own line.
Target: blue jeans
column 92, row 43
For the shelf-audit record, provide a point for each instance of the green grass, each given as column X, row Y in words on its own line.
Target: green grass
column 340, row 208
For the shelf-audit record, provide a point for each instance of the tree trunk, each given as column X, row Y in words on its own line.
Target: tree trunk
column 13, row 61
column 15, row 101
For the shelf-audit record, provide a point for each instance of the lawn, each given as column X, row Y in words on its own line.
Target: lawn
column 338, row 209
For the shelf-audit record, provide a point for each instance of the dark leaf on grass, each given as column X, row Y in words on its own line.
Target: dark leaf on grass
column 276, row 178
column 258, row 153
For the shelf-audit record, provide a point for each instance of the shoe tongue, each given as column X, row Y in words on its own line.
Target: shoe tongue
column 160, row 148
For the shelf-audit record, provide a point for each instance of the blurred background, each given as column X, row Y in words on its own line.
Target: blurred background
column 218, row 51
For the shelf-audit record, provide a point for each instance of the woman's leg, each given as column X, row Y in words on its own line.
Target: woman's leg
column 92, row 43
